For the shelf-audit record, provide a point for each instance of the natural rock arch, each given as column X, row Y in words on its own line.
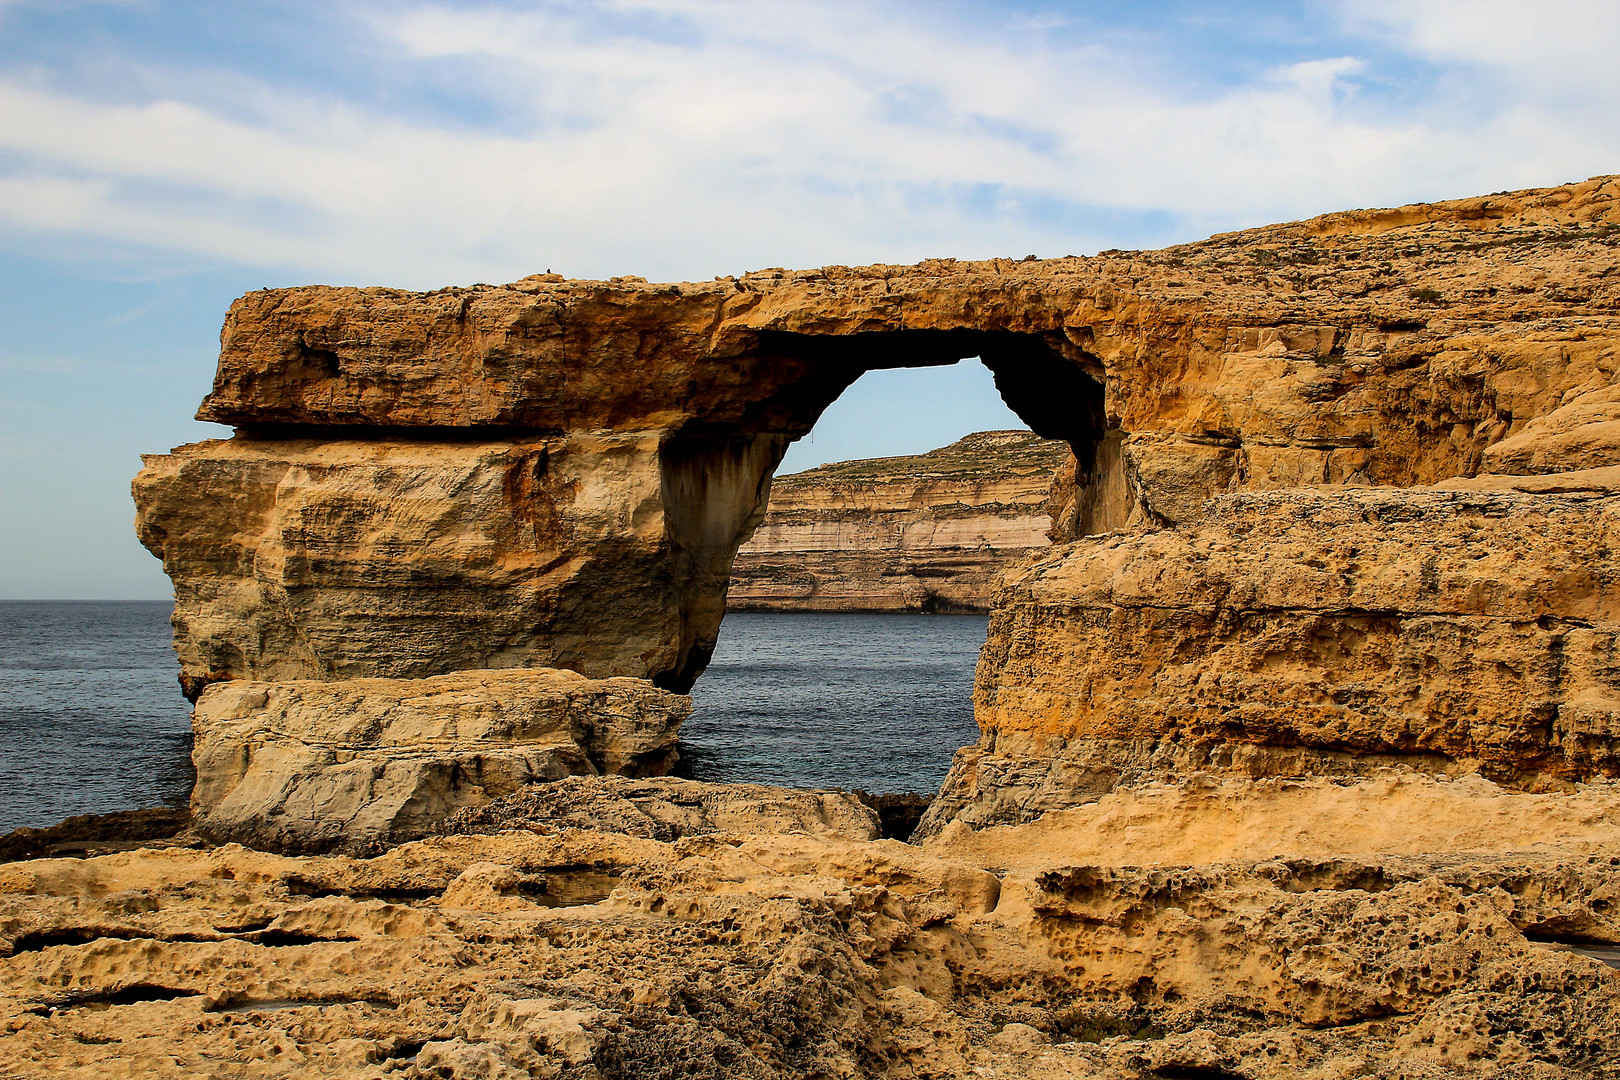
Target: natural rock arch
column 555, row 473
column 363, row 547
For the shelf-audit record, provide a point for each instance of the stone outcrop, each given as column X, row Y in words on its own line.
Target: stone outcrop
column 634, row 426
column 1330, row 930
column 346, row 558
column 925, row 532
column 1306, row 632
column 354, row 766
column 668, row 808
column 1582, row 433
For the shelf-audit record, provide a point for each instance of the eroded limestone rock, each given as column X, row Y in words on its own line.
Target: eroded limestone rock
column 558, row 473
column 1306, row 632
column 668, row 808
column 356, row 765
column 583, row 954
column 1582, row 433
column 359, row 558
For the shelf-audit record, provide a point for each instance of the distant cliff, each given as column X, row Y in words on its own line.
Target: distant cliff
column 918, row 533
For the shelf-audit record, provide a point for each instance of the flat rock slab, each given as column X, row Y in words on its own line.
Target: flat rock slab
column 779, row 957
column 355, row 765
column 668, row 808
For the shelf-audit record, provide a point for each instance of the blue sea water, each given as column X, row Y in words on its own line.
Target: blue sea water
column 878, row 702
column 92, row 721
column 91, row 717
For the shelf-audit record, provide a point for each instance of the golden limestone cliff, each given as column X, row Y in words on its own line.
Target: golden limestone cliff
column 925, row 532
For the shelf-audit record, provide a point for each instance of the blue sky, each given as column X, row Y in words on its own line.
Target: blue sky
column 159, row 157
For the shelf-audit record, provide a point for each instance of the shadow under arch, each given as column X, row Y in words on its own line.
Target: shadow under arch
column 715, row 475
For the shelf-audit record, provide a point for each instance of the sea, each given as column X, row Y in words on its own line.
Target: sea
column 872, row 702
column 92, row 721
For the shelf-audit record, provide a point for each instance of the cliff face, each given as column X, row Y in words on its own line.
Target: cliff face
column 925, row 532
column 1306, row 632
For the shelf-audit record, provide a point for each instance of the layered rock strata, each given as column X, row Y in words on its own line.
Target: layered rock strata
column 357, row 765
column 1318, row 934
column 924, row 532
column 634, row 427
column 366, row 557
column 1308, row 631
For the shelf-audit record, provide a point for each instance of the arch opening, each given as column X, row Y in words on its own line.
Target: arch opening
column 716, row 476
column 853, row 696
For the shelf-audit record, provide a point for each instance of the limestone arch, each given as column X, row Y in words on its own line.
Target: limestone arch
column 546, row 474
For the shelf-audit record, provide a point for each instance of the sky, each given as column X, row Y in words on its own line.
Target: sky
column 160, row 157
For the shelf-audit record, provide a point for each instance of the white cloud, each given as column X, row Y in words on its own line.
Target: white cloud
column 1529, row 88
column 1561, row 42
column 677, row 138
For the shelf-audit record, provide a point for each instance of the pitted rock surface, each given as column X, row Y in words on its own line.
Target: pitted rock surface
column 668, row 808
column 584, row 954
column 357, row 765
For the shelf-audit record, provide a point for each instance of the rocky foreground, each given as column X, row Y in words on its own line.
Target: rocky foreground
column 920, row 533
column 1394, row 926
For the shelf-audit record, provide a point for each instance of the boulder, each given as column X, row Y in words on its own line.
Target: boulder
column 356, row 765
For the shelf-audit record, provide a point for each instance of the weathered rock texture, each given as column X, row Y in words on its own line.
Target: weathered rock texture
column 353, row 766
column 667, row 808
column 607, row 445
column 1072, row 948
column 920, row 533
column 1310, row 631
column 346, row 558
